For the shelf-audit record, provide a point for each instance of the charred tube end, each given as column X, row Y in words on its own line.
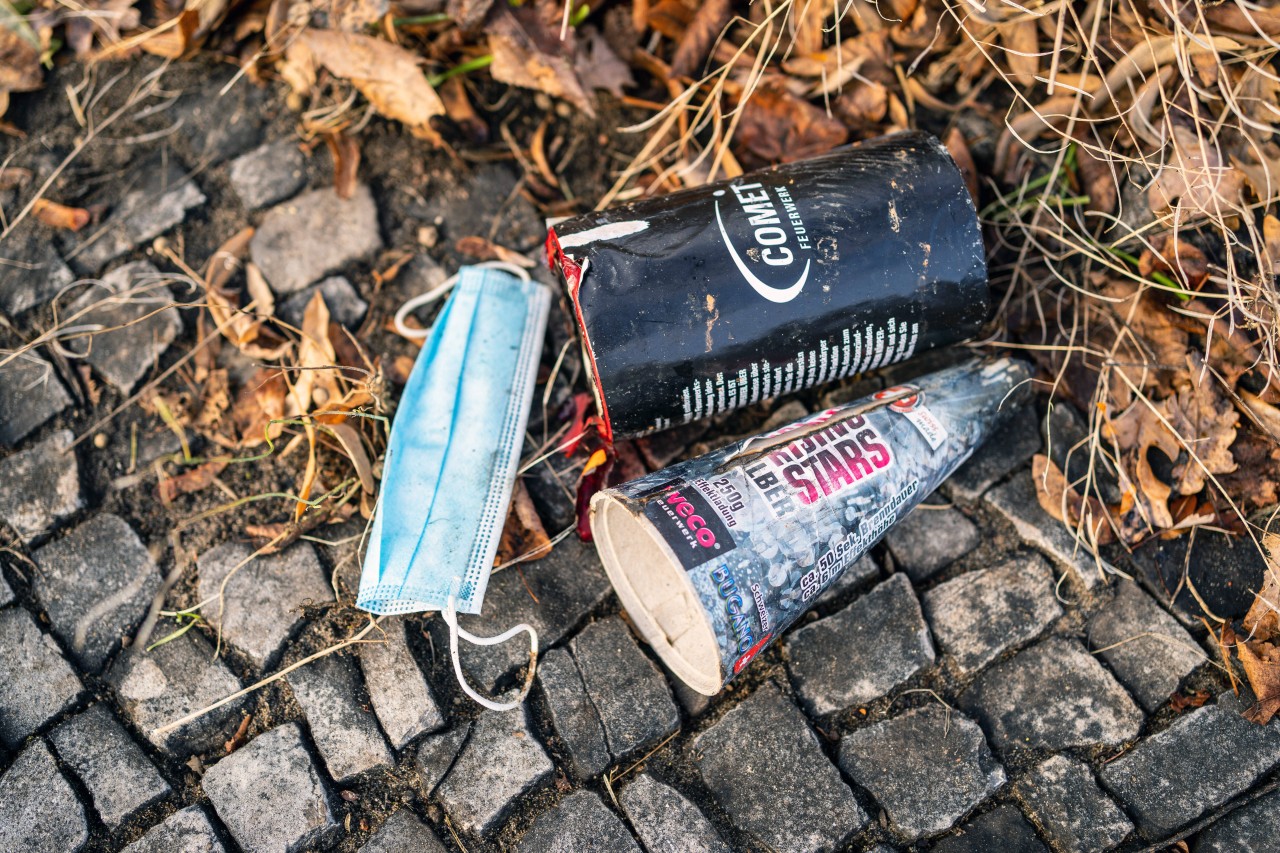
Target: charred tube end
column 656, row 592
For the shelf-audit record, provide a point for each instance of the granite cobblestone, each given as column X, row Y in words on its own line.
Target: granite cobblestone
column 625, row 687
column 38, row 681
column 41, row 486
column 269, row 793
column 39, row 810
column 344, row 731
column 1144, row 646
column 981, row 614
column 185, row 831
column 764, row 766
column 499, row 762
column 118, row 775
column 1075, row 816
column 96, row 584
column 926, row 768
column 1202, row 761
column 666, row 821
column 1054, row 695
column 861, row 653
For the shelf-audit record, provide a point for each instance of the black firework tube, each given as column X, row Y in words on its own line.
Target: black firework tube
column 709, row 299
column 715, row 557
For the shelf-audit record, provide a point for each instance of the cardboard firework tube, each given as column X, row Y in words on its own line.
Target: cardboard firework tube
column 713, row 558
column 708, row 299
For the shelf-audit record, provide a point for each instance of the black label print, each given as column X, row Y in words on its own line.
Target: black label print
column 689, row 524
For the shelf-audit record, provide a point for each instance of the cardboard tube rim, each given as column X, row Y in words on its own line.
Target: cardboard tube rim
column 608, row 512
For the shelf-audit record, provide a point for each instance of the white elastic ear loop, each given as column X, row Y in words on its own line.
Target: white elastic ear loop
column 450, row 614
column 441, row 289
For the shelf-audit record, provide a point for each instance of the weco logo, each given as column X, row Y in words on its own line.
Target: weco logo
column 770, row 237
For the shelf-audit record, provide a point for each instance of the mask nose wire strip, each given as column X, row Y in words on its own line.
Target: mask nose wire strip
column 450, row 614
column 441, row 289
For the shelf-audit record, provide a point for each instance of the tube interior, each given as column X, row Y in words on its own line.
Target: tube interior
column 656, row 591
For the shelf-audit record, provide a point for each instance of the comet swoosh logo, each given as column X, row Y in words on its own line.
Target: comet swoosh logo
column 779, row 295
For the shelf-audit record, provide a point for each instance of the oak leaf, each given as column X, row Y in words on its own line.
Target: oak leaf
column 1263, row 618
column 1062, row 501
column 695, row 41
column 387, row 74
column 528, row 52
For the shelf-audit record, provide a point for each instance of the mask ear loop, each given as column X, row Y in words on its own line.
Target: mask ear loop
column 450, row 615
column 441, row 289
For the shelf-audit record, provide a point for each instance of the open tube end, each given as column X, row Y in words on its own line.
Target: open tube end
column 657, row 593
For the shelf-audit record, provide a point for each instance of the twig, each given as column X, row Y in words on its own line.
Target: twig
column 195, row 715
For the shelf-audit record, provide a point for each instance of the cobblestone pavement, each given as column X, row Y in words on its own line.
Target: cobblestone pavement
column 974, row 684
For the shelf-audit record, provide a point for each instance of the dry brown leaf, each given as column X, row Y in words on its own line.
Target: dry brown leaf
column 1097, row 181
column 1063, row 502
column 356, row 15
column 190, row 480
column 528, row 53
column 866, row 57
column 538, row 153
column 16, row 178
column 458, row 108
column 317, row 377
column 215, row 400
column 1259, row 96
column 467, row 14
column 1173, row 255
column 920, row 26
column 670, row 18
column 1197, row 180
column 958, row 148
column 807, row 22
column 226, row 260
column 309, row 475
column 1207, row 422
column 523, row 533
column 777, row 126
column 259, row 409
column 1260, row 165
column 1262, row 413
column 1261, row 663
column 1246, row 20
column 1254, row 482
column 1021, row 40
column 60, row 215
column 1181, row 702
column 1263, row 618
column 1203, row 418
column 346, row 162
column 197, row 19
column 1137, row 308
column 244, row 328
column 237, row 740
column 694, row 43
column 599, row 65
column 862, row 105
column 268, row 531
column 20, row 69
column 261, row 297
column 386, row 74
column 354, row 447
column 484, row 249
column 1271, row 242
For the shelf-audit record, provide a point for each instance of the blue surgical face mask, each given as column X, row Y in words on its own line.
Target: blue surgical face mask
column 454, row 452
